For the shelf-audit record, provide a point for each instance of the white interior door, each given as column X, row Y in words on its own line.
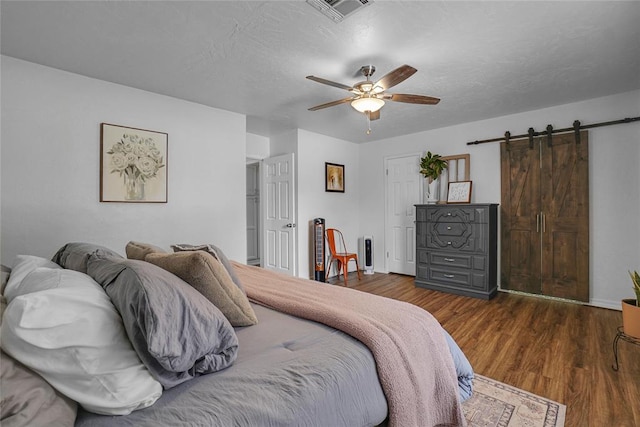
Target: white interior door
column 278, row 213
column 404, row 189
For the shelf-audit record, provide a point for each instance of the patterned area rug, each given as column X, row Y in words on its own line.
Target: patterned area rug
column 495, row 404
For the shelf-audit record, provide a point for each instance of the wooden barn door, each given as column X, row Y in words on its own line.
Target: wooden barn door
column 545, row 216
column 565, row 224
column 520, row 210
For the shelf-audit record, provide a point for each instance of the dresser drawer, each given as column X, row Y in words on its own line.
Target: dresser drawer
column 461, row 278
column 450, row 260
column 453, row 229
column 469, row 279
column 467, row 214
column 453, row 259
column 457, row 236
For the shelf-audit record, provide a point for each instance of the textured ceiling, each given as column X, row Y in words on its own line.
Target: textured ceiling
column 483, row 59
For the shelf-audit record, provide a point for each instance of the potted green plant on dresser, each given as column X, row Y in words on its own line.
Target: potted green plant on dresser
column 631, row 309
column 431, row 167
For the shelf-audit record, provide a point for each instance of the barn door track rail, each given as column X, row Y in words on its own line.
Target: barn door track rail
column 577, row 127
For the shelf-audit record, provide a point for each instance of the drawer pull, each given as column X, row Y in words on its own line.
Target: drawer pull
column 448, row 228
column 449, row 259
column 448, row 213
column 448, row 243
column 449, row 276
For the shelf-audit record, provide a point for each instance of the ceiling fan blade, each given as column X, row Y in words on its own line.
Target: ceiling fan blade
column 396, row 76
column 412, row 99
column 375, row 115
column 331, row 104
column 329, row 82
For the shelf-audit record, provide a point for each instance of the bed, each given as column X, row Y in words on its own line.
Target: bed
column 308, row 353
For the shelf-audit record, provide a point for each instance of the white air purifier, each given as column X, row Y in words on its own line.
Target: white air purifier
column 365, row 254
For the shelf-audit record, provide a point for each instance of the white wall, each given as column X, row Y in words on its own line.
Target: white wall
column 614, row 179
column 284, row 143
column 257, row 146
column 50, row 166
column 339, row 210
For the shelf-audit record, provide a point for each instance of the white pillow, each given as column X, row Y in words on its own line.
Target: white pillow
column 74, row 338
column 44, row 278
column 23, row 265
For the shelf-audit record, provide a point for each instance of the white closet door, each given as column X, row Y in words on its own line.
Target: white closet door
column 279, row 242
column 404, row 188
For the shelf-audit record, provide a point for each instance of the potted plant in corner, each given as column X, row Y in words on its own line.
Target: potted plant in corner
column 431, row 167
column 631, row 309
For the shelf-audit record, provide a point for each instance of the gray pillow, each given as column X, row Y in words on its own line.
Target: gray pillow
column 74, row 256
column 177, row 333
column 28, row 400
column 217, row 253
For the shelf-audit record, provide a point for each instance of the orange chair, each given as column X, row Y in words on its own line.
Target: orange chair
column 340, row 254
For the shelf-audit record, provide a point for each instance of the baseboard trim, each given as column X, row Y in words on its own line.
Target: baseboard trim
column 603, row 303
column 611, row 305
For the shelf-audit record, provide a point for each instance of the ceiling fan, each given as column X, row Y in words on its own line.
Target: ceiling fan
column 369, row 97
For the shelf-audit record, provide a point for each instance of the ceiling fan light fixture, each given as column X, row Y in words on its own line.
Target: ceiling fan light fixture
column 367, row 104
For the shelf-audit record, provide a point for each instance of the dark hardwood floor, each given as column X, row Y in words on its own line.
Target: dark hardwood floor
column 556, row 349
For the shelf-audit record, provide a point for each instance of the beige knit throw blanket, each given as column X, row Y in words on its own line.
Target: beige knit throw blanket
column 414, row 364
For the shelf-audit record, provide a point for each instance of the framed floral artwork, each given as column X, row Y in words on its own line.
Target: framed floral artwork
column 334, row 178
column 133, row 165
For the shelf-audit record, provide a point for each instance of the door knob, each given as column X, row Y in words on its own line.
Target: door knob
column 290, row 225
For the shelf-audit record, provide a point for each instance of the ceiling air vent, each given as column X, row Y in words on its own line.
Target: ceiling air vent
column 337, row 10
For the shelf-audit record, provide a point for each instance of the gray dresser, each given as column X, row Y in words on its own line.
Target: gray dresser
column 456, row 249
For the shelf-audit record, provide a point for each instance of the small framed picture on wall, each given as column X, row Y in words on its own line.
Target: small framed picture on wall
column 334, row 177
column 459, row 192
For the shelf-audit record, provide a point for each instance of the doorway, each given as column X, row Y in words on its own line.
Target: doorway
column 403, row 191
column 253, row 213
column 278, row 214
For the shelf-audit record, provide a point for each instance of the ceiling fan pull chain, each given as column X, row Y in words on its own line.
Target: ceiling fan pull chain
column 368, row 114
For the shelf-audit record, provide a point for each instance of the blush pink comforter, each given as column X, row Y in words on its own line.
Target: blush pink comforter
column 413, row 360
